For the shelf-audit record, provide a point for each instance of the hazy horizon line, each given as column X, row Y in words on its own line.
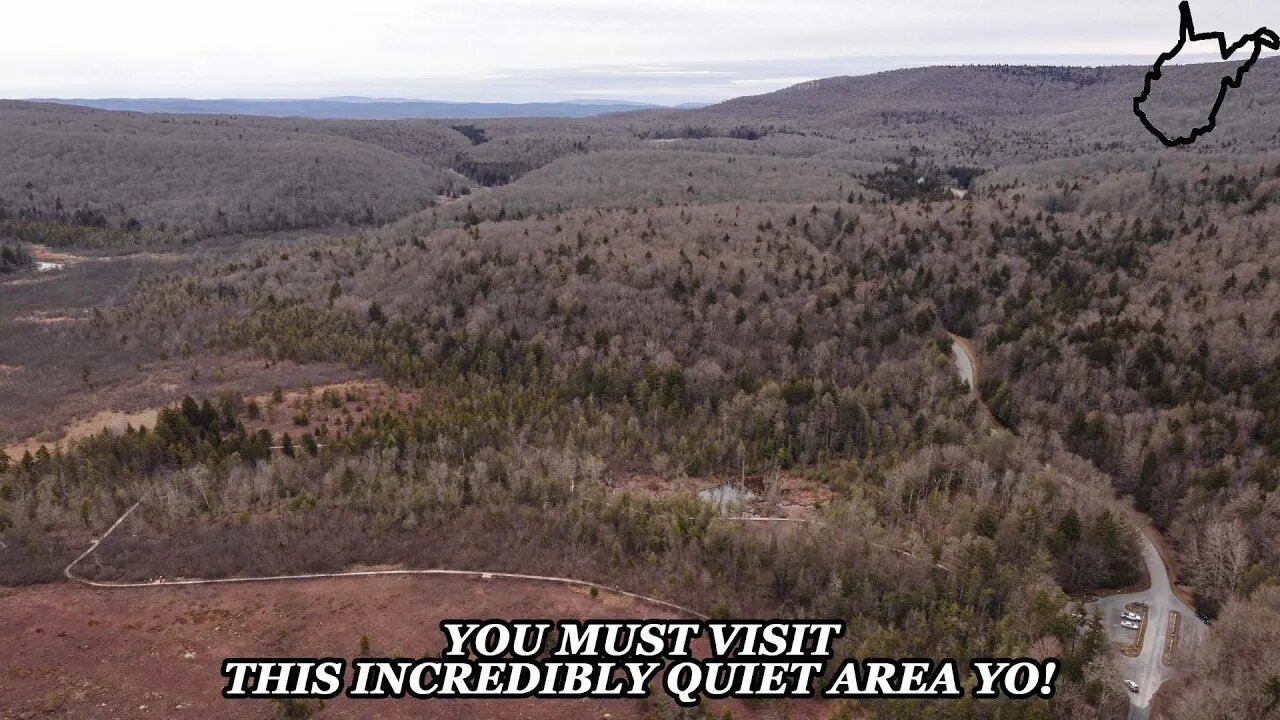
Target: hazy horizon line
column 661, row 84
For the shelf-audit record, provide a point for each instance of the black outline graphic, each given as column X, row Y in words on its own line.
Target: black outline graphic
column 1263, row 37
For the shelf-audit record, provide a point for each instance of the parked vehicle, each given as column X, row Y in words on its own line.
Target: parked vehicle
column 1132, row 616
column 1133, row 686
column 1129, row 624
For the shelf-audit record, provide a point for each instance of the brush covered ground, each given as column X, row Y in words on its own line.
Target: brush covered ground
column 82, row 652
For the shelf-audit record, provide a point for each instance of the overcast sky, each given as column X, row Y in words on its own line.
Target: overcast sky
column 523, row 50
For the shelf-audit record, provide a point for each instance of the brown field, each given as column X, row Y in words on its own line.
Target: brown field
column 49, row 317
column 356, row 399
column 167, row 382
column 79, row 652
column 112, row 420
column 328, row 409
column 43, row 253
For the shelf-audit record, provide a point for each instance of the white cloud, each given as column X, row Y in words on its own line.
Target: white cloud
column 543, row 48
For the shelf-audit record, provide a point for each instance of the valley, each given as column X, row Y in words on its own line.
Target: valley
column 944, row 353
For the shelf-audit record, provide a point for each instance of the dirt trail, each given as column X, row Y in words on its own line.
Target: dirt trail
column 69, row 572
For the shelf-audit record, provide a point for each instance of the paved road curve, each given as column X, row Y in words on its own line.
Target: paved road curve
column 1148, row 669
column 966, row 365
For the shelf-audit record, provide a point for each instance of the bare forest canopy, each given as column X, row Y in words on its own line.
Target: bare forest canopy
column 73, row 174
column 759, row 292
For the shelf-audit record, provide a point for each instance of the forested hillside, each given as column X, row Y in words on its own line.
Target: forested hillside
column 584, row 319
column 1060, row 105
column 71, row 174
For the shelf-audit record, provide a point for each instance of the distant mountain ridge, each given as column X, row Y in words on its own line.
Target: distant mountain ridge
column 357, row 108
column 1095, row 100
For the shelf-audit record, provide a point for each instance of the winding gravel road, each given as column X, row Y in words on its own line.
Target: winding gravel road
column 1148, row 669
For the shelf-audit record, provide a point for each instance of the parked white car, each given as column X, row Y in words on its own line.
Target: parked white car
column 1133, row 686
column 1131, row 616
column 1129, row 624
